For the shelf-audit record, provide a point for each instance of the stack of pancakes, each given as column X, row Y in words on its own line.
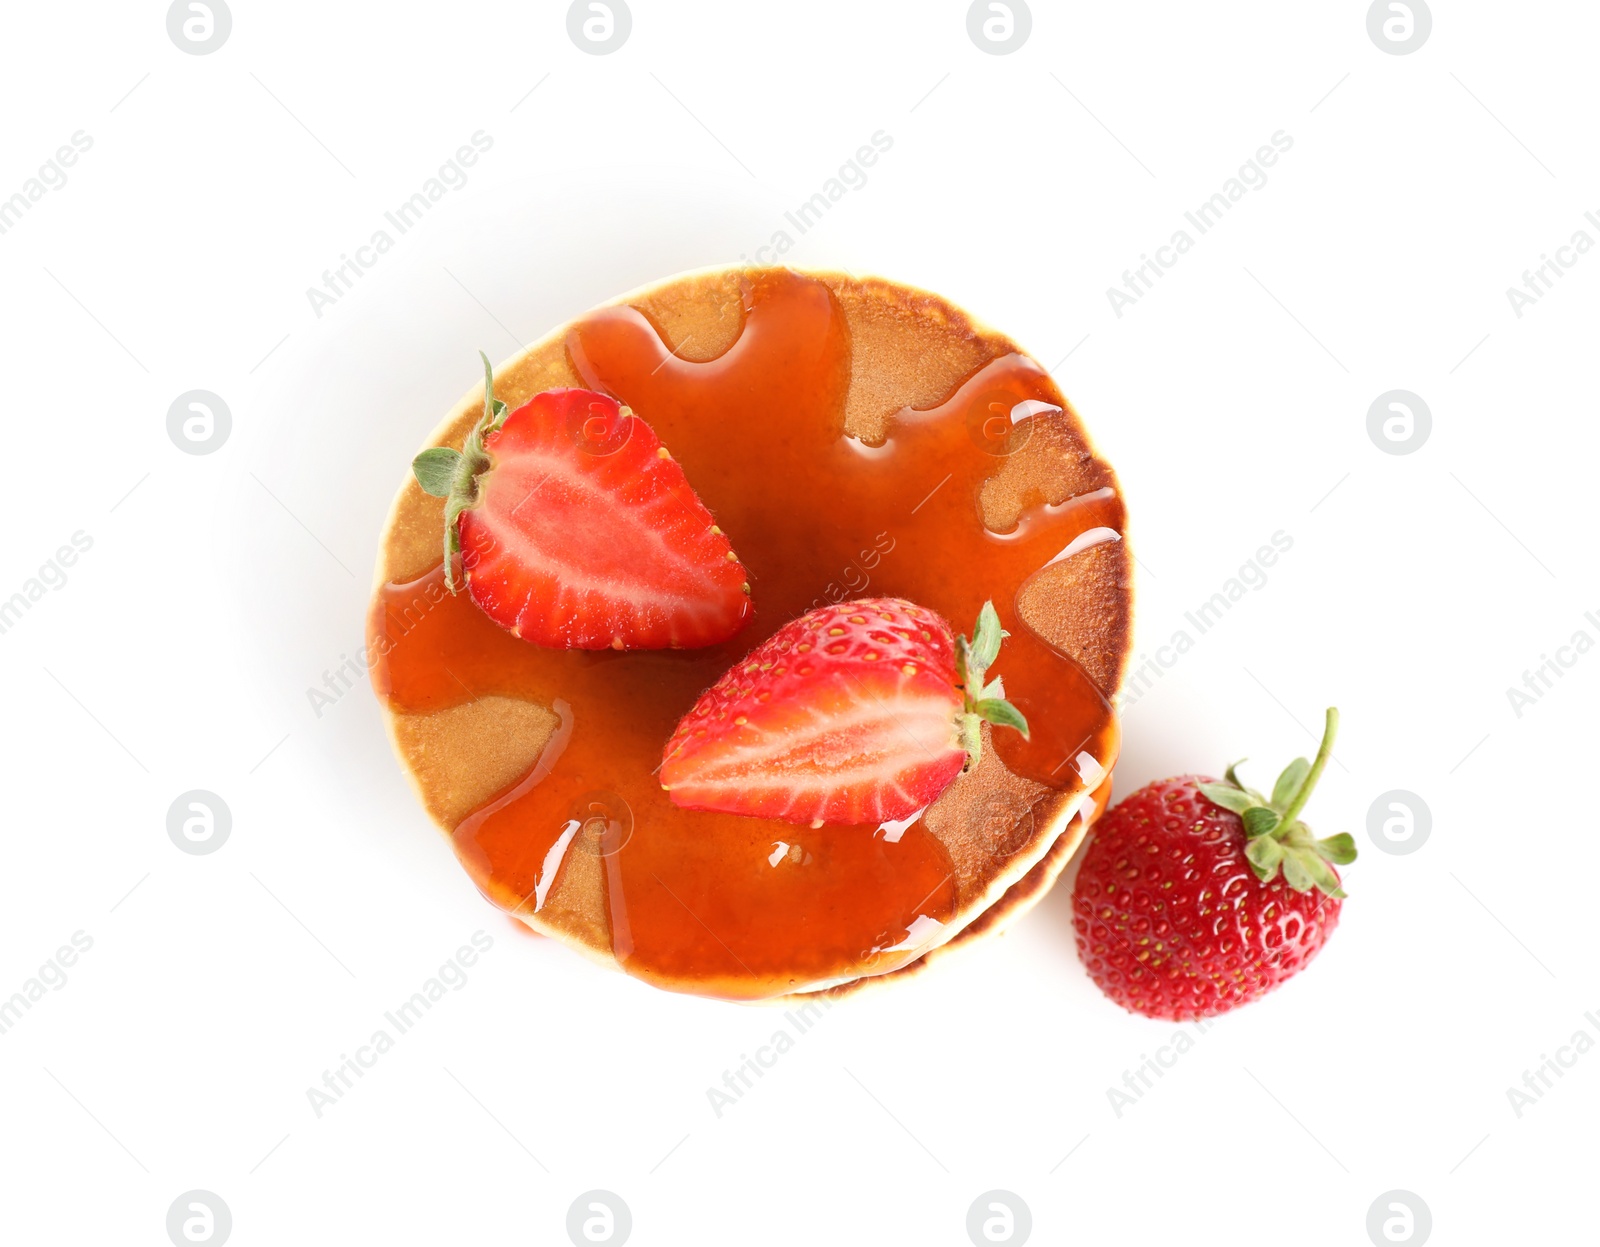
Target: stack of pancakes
column 908, row 349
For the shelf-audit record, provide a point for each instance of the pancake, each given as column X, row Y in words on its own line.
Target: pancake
column 797, row 404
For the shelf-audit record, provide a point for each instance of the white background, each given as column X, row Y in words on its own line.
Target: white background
column 1232, row 399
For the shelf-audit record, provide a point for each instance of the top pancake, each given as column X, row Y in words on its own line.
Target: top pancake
column 907, row 349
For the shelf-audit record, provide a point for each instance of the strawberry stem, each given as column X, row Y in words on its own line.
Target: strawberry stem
column 1324, row 752
column 1275, row 838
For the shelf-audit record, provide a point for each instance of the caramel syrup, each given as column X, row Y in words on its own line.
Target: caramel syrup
column 726, row 905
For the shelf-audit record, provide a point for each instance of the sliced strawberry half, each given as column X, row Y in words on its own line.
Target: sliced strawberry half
column 577, row 530
column 856, row 713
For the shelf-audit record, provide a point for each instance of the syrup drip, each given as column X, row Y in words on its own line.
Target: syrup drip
column 721, row 904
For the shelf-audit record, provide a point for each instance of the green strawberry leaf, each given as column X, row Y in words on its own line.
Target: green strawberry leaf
column 1339, row 849
column 983, row 702
column 1295, row 873
column 1265, row 854
column 1260, row 820
column 1229, row 798
column 986, row 637
column 1294, row 775
column 1231, row 775
column 1319, row 872
column 1002, row 714
column 435, row 470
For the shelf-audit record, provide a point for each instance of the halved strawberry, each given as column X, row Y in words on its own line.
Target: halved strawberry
column 577, row 529
column 856, row 713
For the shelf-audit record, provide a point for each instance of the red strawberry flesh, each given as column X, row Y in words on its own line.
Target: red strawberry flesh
column 585, row 534
column 848, row 714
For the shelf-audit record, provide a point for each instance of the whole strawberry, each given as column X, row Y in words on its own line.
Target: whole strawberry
column 1196, row 897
